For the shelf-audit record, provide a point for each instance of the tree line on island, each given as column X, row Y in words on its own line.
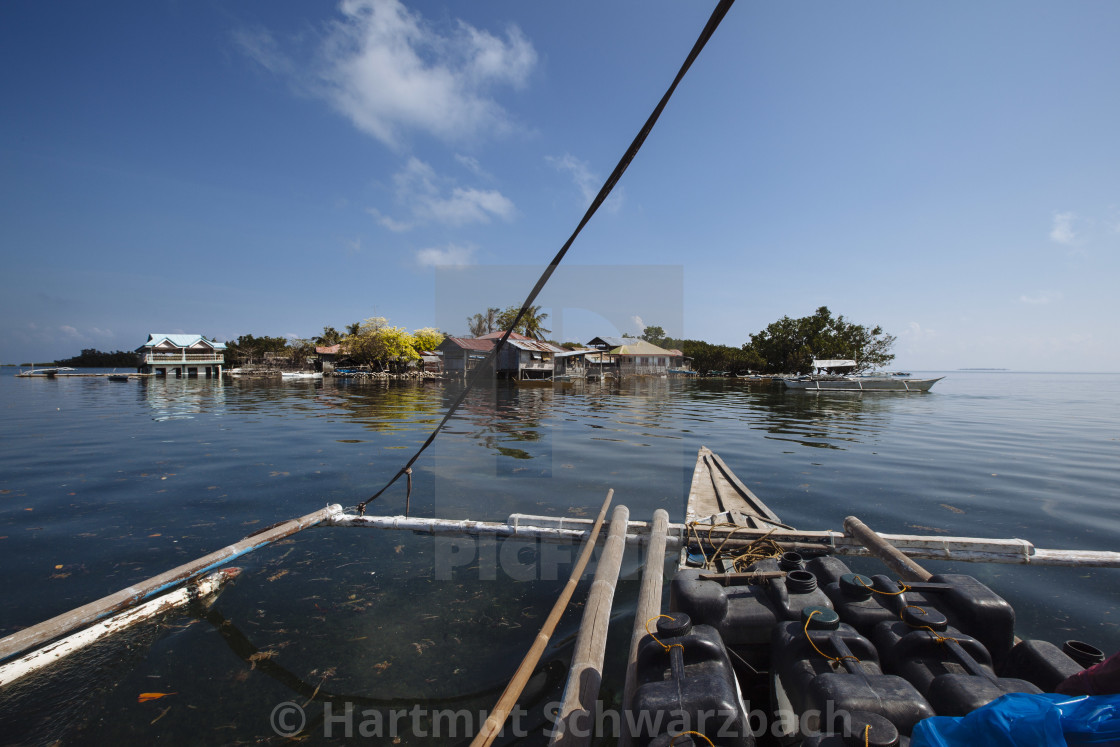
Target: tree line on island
column 787, row 346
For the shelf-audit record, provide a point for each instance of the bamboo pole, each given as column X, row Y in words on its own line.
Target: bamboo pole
column 932, row 547
column 585, row 674
column 905, row 567
column 36, row 660
column 508, row 699
column 62, row 624
column 649, row 605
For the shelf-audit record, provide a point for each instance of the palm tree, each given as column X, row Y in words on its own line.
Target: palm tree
column 532, row 324
column 483, row 324
column 330, row 336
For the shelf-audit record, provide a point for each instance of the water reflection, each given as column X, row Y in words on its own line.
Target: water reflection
column 181, row 399
column 826, row 422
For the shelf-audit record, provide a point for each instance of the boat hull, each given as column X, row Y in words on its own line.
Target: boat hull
column 862, row 384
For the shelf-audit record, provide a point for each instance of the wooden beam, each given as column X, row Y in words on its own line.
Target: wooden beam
column 649, row 605
column 493, row 725
column 37, row 635
column 574, row 723
column 906, row 568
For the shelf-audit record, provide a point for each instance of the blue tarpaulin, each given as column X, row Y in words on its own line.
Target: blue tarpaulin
column 1022, row 720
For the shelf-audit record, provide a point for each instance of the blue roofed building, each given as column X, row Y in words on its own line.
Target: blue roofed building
column 181, row 355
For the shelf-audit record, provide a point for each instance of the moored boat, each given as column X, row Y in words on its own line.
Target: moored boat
column 885, row 383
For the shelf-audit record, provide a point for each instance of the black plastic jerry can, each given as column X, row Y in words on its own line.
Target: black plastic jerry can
column 685, row 682
column 823, row 671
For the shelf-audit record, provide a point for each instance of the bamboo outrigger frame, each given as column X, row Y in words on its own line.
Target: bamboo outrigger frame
column 713, row 485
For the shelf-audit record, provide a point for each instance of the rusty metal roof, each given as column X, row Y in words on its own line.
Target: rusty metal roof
column 470, row 343
column 538, row 346
column 499, row 333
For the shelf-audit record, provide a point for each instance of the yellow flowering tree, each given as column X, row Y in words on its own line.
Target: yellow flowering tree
column 376, row 343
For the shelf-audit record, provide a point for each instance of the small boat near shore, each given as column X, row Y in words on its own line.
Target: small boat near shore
column 49, row 372
column 866, row 383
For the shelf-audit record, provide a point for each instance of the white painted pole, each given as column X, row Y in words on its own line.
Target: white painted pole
column 37, row 635
column 36, row 660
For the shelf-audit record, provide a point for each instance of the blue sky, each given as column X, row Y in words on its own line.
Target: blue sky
column 948, row 171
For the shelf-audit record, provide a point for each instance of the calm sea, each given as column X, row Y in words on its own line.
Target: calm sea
column 104, row 484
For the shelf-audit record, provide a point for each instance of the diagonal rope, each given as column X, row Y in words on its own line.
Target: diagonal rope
column 604, row 192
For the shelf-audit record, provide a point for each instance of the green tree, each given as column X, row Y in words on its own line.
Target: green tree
column 789, row 345
column 531, row 325
column 655, row 335
column 250, row 349
column 378, row 344
column 330, row 336
column 300, row 350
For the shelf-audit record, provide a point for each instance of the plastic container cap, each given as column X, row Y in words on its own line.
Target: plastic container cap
column 674, row 625
column 924, row 617
column 820, row 618
column 855, row 586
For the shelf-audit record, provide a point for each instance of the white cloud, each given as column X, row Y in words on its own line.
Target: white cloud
column 638, row 321
column 471, row 164
column 390, row 72
column 434, row 199
column 469, row 206
column 1041, row 298
column 585, row 180
column 392, row 224
column 451, row 255
column 1062, row 230
column 70, row 331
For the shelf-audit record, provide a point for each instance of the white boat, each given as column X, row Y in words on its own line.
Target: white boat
column 874, row 383
column 301, row 375
column 49, row 372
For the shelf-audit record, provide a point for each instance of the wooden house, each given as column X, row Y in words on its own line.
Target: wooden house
column 525, row 358
column 641, row 358
column 462, row 354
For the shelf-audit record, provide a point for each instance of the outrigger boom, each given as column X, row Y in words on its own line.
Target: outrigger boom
column 721, row 512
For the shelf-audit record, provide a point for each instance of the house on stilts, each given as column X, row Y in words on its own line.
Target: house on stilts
column 181, row 355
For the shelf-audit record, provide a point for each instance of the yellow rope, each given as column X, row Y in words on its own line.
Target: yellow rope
column 834, row 659
column 867, row 735
column 674, row 739
column 693, row 533
column 651, row 635
column 936, row 636
column 761, row 548
column 902, row 588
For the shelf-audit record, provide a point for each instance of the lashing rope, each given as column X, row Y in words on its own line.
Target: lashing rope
column 902, row 588
column 833, row 659
column 936, row 636
column 665, row 646
column 762, row 548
